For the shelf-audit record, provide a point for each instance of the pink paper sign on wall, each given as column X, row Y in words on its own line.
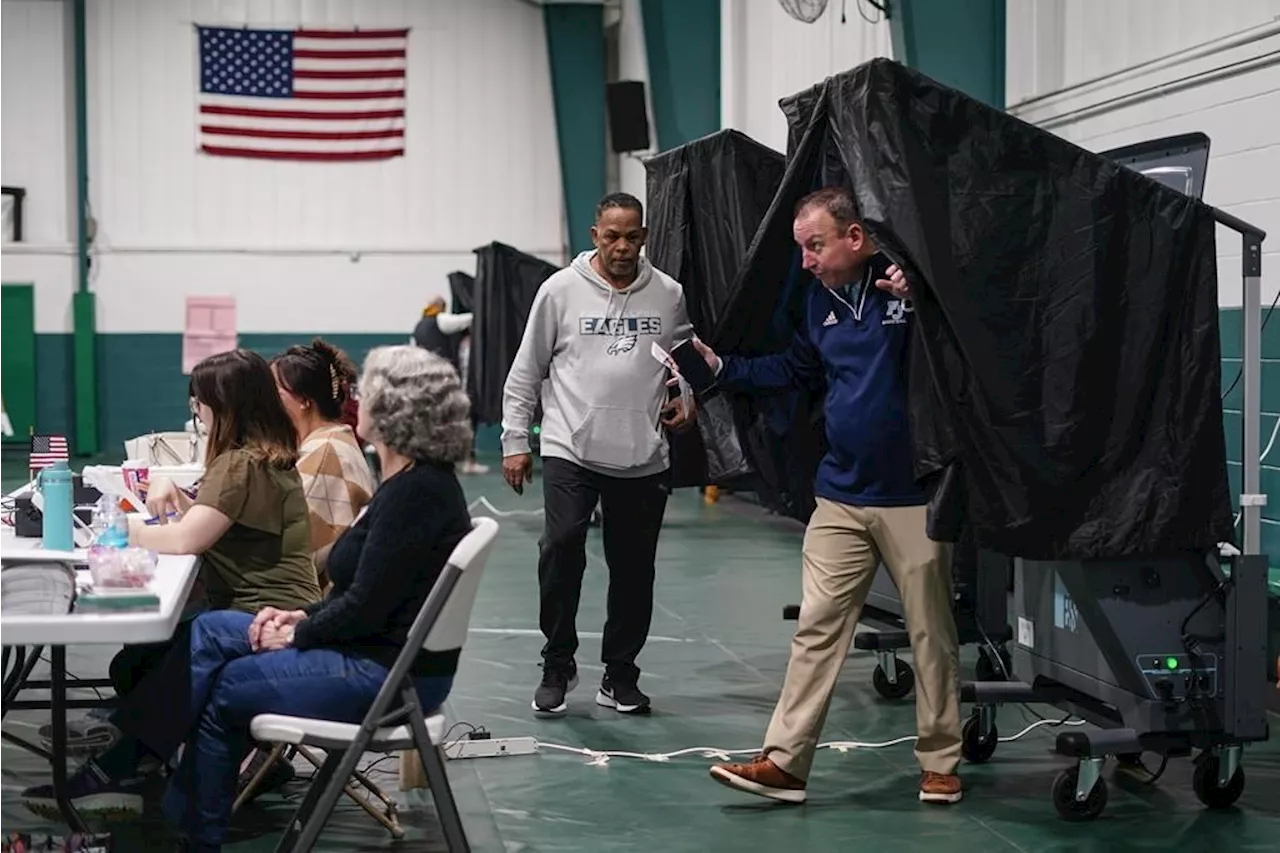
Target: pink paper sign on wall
column 210, row 329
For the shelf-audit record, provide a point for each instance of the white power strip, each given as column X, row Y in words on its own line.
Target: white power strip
column 495, row 747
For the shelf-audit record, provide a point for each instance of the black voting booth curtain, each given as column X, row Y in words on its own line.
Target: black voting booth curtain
column 505, row 284
column 706, row 199
column 461, row 292
column 1065, row 375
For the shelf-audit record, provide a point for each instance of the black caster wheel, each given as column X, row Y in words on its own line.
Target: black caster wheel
column 1205, row 783
column 906, row 681
column 987, row 669
column 975, row 748
column 1064, row 797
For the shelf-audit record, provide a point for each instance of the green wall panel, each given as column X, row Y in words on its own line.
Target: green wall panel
column 18, row 359
column 575, row 45
column 960, row 44
column 682, row 45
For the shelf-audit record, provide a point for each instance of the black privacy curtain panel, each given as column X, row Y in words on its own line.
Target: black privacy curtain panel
column 1065, row 375
column 506, row 282
column 706, row 199
column 461, row 292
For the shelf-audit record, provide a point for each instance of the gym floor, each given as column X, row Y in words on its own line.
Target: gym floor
column 713, row 667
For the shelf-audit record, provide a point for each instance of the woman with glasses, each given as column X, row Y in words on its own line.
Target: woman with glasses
column 248, row 523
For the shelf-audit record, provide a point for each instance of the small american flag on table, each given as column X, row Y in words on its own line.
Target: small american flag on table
column 46, row 450
column 329, row 95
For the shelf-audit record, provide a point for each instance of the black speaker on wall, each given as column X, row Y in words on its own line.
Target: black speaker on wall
column 628, row 116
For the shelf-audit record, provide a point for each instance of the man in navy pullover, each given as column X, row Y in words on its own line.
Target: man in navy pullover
column 869, row 506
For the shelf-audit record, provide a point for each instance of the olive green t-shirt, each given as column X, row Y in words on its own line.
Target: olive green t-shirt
column 265, row 558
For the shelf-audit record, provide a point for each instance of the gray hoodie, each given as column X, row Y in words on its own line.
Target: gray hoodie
column 586, row 348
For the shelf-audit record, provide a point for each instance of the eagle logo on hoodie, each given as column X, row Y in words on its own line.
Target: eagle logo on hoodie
column 622, row 345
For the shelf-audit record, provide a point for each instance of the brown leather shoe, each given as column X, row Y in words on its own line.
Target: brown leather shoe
column 941, row 788
column 761, row 777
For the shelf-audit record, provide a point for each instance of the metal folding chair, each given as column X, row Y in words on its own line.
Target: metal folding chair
column 441, row 625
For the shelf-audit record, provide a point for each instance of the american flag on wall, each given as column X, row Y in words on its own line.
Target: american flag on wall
column 329, row 95
column 46, row 450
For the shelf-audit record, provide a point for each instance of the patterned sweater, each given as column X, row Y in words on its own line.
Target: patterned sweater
column 337, row 482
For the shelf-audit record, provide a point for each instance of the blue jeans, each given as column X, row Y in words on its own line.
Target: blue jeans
column 230, row 685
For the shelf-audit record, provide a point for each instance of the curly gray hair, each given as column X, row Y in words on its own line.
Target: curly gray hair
column 416, row 404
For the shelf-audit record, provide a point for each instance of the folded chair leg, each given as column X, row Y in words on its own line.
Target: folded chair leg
column 389, row 819
column 332, row 790
column 252, row 787
column 455, row 835
column 304, row 816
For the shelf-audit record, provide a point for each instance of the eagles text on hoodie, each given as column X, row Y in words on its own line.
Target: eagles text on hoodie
column 586, row 350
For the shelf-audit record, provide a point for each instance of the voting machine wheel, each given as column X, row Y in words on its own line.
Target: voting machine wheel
column 976, row 748
column 905, row 680
column 1064, row 797
column 1204, row 781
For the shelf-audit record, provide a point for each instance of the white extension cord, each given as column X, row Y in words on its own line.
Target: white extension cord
column 599, row 758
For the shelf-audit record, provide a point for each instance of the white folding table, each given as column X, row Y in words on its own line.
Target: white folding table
column 174, row 577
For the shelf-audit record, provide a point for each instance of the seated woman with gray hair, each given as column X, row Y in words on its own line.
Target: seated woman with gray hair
column 330, row 660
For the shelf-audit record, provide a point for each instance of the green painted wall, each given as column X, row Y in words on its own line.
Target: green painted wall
column 18, row 359
column 140, row 385
column 960, row 43
column 575, row 45
column 682, row 45
column 1270, row 475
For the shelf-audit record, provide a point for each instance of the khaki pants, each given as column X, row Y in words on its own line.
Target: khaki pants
column 842, row 549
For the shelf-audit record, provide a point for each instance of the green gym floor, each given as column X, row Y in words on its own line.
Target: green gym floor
column 713, row 666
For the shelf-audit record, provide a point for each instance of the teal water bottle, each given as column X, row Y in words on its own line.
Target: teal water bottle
column 55, row 488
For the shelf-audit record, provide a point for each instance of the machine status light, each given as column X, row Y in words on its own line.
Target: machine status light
column 1171, row 663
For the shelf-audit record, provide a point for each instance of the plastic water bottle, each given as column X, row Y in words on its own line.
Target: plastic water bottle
column 110, row 525
column 56, row 491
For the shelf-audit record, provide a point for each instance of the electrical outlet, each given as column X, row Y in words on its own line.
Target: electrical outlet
column 496, row 747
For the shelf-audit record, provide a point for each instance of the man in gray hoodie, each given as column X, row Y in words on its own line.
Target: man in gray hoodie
column 605, row 402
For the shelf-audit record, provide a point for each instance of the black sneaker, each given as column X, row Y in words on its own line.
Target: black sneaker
column 92, row 793
column 623, row 698
column 548, row 699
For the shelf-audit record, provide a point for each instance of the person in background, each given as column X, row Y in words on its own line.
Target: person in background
column 248, row 523
column 869, row 505
column 586, row 350
column 315, row 383
column 449, row 336
column 441, row 333
column 329, row 660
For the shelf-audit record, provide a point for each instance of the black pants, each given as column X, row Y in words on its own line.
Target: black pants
column 632, row 510
column 153, row 685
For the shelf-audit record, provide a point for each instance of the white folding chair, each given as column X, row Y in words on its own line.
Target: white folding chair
column 441, row 625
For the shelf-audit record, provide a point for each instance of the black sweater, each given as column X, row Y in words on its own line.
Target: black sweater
column 384, row 566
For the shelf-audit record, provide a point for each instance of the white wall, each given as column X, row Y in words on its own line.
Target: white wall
column 38, row 152
column 307, row 247
column 766, row 55
column 1105, row 74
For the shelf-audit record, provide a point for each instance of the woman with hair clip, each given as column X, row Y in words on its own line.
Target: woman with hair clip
column 248, row 523
column 315, row 385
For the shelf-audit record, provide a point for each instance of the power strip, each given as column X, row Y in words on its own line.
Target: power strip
column 490, row 747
